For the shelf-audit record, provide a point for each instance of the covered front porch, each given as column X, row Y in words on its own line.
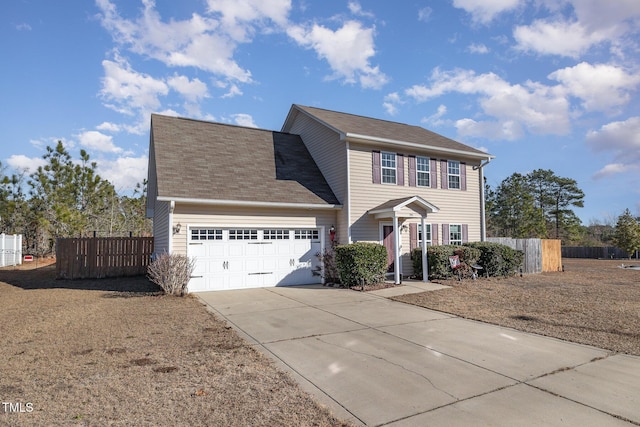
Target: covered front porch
column 397, row 211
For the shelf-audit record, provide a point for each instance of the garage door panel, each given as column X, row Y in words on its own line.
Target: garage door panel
column 253, row 259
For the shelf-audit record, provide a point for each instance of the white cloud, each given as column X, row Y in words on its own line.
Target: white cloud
column 98, row 141
column 436, row 118
column 391, row 102
column 125, row 172
column 510, row 107
column 613, row 169
column 192, row 90
column 622, row 140
column 197, row 42
column 483, row 11
column 241, row 18
column 348, row 51
column 21, row 162
column 356, row 9
column 478, row 48
column 601, row 86
column 586, row 24
column 109, row 127
column 562, row 38
column 424, row 14
column 129, row 90
column 234, row 90
column 244, row 120
column 23, row 27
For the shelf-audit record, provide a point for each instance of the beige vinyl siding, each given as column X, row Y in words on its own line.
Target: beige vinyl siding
column 330, row 154
column 456, row 206
column 240, row 217
column 152, row 180
column 161, row 227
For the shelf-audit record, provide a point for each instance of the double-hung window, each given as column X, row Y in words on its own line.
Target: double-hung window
column 427, row 234
column 453, row 173
column 455, row 234
column 388, row 167
column 422, row 171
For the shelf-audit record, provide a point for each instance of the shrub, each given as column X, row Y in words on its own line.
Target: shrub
column 497, row 259
column 438, row 259
column 330, row 267
column 172, row 273
column 361, row 263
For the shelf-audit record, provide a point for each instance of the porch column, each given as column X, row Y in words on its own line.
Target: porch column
column 396, row 250
column 425, row 263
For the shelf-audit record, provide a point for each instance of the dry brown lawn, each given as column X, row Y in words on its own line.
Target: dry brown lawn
column 116, row 352
column 593, row 302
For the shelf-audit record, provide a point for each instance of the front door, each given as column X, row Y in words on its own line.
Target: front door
column 387, row 241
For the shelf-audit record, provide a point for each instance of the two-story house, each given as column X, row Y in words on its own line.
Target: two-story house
column 257, row 207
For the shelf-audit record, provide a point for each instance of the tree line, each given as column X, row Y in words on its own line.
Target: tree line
column 67, row 198
column 541, row 204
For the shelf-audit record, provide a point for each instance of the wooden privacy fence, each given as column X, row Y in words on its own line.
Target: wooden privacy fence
column 540, row 255
column 95, row 258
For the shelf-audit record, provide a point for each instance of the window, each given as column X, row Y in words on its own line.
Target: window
column 276, row 234
column 206, row 234
column 306, row 234
column 455, row 234
column 240, row 234
column 388, row 167
column 422, row 171
column 428, row 234
column 453, row 169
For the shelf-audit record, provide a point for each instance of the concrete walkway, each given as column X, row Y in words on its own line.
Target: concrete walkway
column 379, row 362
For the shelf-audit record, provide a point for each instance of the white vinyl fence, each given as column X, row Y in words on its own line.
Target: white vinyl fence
column 10, row 249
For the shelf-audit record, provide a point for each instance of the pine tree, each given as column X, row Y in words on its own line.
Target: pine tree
column 627, row 233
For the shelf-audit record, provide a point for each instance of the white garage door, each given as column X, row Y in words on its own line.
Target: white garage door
column 251, row 258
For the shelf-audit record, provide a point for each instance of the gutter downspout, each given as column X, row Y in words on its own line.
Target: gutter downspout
column 172, row 206
column 483, row 220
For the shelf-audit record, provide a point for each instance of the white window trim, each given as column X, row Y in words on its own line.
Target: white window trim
column 394, row 168
column 430, row 240
column 456, row 241
column 428, row 171
column 449, row 174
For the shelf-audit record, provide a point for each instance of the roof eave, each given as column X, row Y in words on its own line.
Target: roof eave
column 246, row 203
column 289, row 120
column 354, row 137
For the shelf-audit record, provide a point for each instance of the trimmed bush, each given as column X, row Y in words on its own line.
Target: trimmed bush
column 497, row 259
column 438, row 259
column 172, row 273
column 361, row 263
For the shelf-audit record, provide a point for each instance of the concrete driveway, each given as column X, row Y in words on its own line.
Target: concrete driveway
column 379, row 362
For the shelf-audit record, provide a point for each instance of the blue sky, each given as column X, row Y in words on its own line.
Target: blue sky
column 540, row 84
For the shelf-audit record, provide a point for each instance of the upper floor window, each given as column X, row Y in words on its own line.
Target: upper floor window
column 388, row 167
column 453, row 173
column 422, row 171
column 455, row 234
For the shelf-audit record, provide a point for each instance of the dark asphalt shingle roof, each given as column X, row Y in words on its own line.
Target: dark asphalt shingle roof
column 213, row 161
column 353, row 124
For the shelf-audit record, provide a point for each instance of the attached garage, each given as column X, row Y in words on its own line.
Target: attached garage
column 239, row 258
column 250, row 206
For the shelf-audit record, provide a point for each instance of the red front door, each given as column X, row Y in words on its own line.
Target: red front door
column 387, row 241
